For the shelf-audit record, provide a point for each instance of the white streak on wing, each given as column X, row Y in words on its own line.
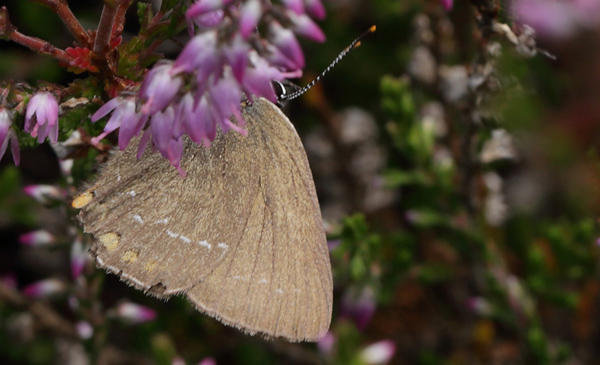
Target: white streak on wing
column 223, row 246
column 185, row 239
column 279, row 291
column 205, row 244
column 132, row 192
column 134, row 280
column 138, row 218
column 242, row 278
column 172, row 234
column 118, row 178
column 262, row 281
column 162, row 221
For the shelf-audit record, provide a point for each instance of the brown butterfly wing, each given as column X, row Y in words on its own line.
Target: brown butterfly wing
column 253, row 253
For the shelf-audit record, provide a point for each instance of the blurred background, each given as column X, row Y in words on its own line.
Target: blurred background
column 455, row 155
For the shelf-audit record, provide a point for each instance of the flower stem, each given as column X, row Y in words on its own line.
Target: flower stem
column 40, row 46
column 61, row 8
column 105, row 27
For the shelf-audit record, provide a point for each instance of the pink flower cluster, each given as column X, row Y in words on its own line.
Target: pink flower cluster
column 226, row 62
column 558, row 18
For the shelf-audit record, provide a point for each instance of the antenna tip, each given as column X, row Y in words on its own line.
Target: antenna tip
column 373, row 28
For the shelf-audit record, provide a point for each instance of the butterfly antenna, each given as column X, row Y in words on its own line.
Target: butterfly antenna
column 355, row 43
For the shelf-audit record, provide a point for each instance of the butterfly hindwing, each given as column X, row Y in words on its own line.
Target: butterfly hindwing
column 241, row 235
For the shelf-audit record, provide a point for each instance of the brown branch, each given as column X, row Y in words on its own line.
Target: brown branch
column 61, row 8
column 105, row 27
column 40, row 46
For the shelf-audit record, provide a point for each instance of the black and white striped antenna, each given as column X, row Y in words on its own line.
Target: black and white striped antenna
column 355, row 43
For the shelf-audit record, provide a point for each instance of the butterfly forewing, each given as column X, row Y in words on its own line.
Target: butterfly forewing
column 241, row 235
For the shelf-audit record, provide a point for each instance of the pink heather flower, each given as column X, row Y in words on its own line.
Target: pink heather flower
column 250, row 14
column 40, row 237
column 123, row 116
column 285, row 41
column 480, row 306
column 225, row 66
column 447, row 4
column 84, row 330
column 306, row 27
column 359, row 306
column 333, row 244
column 316, row 9
column 206, row 20
column 134, row 313
column 159, row 88
column 44, row 288
column 325, row 344
column 78, row 258
column 225, row 98
column 236, row 55
column 378, row 353
column 7, row 134
column 166, row 134
column 297, row 6
column 204, row 6
column 200, row 54
column 258, row 79
column 41, row 117
column 198, row 122
column 558, row 18
column 44, row 193
column 208, row 361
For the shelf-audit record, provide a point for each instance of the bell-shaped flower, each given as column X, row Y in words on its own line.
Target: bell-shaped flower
column 166, row 135
column 236, row 54
column 41, row 237
column 447, row 4
column 225, row 97
column 200, row 55
column 315, row 8
column 250, row 13
column 44, row 194
column 159, row 88
column 41, row 117
column 359, row 305
column 79, row 257
column 8, row 135
column 197, row 119
column 84, row 329
column 286, row 42
column 134, row 313
column 378, row 353
column 124, row 116
column 297, row 6
column 259, row 78
column 204, row 6
column 44, row 288
column 306, row 27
